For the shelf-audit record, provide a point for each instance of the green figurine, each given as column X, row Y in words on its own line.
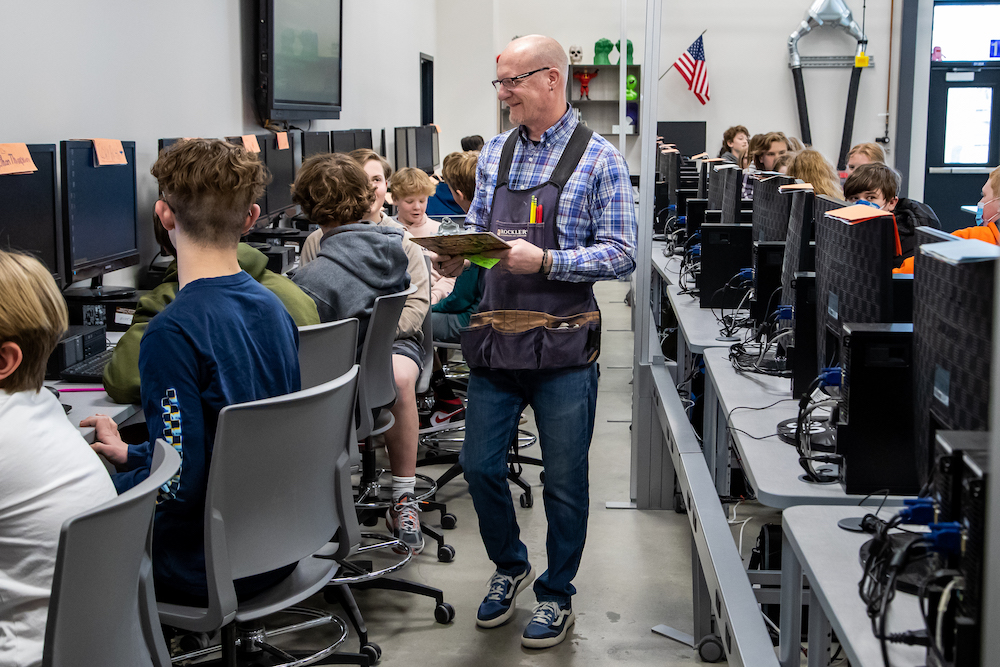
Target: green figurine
column 602, row 49
column 631, row 94
column 618, row 45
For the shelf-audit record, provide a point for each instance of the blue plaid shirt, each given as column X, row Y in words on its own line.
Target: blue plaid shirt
column 596, row 224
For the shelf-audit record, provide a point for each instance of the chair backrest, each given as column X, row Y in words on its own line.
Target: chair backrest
column 102, row 610
column 274, row 489
column 327, row 351
column 376, row 383
column 424, row 381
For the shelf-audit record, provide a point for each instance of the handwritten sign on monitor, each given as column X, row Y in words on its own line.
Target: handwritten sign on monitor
column 282, row 141
column 15, row 159
column 250, row 143
column 109, row 151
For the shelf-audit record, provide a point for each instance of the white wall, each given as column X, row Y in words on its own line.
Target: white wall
column 747, row 56
column 138, row 70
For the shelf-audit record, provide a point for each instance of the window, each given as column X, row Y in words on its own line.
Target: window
column 967, row 125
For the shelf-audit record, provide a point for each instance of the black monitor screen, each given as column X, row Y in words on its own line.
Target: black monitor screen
column 314, row 143
column 363, row 139
column 342, row 141
column 100, row 211
column 800, row 233
column 425, row 148
column 29, row 220
column 307, row 52
column 732, row 183
column 281, row 164
column 853, row 277
column 771, row 209
column 952, row 334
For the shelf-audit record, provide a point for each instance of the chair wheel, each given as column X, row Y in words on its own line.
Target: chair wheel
column 371, row 521
column 449, row 521
column 526, row 500
column 446, row 553
column 444, row 613
column 430, row 454
column 541, row 476
column 710, row 649
column 372, row 651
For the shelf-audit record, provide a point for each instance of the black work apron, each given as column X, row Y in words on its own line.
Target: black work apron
column 528, row 322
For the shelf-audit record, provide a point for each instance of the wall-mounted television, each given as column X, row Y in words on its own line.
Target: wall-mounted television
column 298, row 59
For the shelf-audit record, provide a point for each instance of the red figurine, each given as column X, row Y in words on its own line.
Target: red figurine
column 584, row 78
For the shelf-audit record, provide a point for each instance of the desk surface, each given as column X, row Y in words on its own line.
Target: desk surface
column 667, row 267
column 771, row 465
column 87, row 403
column 699, row 326
column 829, row 558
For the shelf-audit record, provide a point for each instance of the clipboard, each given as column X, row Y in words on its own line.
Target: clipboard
column 464, row 243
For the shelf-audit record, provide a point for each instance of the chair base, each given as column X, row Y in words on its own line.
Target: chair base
column 246, row 644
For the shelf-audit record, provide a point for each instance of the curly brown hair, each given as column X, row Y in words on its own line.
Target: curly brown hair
column 210, row 186
column 333, row 189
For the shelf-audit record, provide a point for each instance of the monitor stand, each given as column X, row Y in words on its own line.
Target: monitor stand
column 98, row 291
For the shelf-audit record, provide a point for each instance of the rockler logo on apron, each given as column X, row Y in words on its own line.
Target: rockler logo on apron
column 528, row 322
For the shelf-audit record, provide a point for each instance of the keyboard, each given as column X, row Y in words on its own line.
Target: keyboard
column 89, row 370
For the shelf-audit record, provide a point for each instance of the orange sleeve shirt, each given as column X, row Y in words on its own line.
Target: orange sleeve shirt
column 986, row 233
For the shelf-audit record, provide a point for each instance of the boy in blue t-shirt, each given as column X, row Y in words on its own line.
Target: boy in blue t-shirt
column 225, row 339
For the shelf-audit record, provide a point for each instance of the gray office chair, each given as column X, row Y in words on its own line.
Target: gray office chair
column 327, row 351
column 275, row 460
column 102, row 611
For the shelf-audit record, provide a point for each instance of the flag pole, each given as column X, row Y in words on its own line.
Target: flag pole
column 672, row 64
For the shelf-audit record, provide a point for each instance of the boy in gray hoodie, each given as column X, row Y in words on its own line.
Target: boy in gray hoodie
column 356, row 263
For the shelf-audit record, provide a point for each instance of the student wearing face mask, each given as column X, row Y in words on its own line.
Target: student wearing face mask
column 987, row 214
column 877, row 184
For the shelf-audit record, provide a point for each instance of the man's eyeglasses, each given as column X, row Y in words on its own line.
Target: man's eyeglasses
column 512, row 82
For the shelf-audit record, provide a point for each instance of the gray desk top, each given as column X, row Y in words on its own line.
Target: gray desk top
column 771, row 465
column 699, row 326
column 667, row 267
column 87, row 403
column 829, row 558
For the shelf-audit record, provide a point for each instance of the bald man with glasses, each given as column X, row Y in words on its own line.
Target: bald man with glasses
column 561, row 196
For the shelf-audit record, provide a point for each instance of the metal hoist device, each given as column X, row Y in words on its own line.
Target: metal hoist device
column 832, row 14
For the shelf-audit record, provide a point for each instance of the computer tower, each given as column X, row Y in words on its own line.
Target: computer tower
column 975, row 481
column 683, row 194
column 695, row 215
column 113, row 313
column 801, row 353
column 725, row 250
column 946, row 477
column 875, row 430
column 768, row 257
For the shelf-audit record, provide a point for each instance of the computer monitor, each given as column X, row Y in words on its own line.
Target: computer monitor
column 437, row 148
column 363, row 139
column 281, row 164
column 732, row 180
column 952, row 338
column 342, row 141
column 703, row 169
column 853, row 277
column 411, row 147
column 771, row 209
column 798, row 253
column 716, row 181
column 402, row 159
column 315, row 143
column 671, row 174
column 426, row 136
column 100, row 216
column 167, row 143
column 30, row 220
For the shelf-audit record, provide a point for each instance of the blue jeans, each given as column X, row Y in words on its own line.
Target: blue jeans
column 564, row 402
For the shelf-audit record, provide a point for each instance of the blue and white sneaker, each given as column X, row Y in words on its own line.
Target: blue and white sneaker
column 498, row 605
column 548, row 626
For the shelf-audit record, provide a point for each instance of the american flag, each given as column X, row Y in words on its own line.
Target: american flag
column 691, row 65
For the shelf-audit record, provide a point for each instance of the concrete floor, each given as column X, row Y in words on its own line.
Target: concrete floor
column 635, row 574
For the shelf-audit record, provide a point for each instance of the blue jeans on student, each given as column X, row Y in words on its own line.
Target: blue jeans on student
column 564, row 402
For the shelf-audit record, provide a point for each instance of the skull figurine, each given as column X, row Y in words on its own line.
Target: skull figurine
column 575, row 55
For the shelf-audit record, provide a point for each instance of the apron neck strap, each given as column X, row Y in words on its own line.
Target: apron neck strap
column 567, row 164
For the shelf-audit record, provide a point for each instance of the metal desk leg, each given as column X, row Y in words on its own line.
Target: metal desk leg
column 709, row 431
column 819, row 635
column 701, row 599
column 791, row 607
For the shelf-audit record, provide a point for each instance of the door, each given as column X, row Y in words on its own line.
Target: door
column 963, row 144
column 426, row 89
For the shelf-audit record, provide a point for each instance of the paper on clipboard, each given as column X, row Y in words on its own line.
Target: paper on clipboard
column 465, row 243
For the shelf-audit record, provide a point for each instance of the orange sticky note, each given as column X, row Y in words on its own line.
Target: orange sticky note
column 857, row 213
column 282, row 141
column 250, row 143
column 109, row 151
column 791, row 187
column 15, row 159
